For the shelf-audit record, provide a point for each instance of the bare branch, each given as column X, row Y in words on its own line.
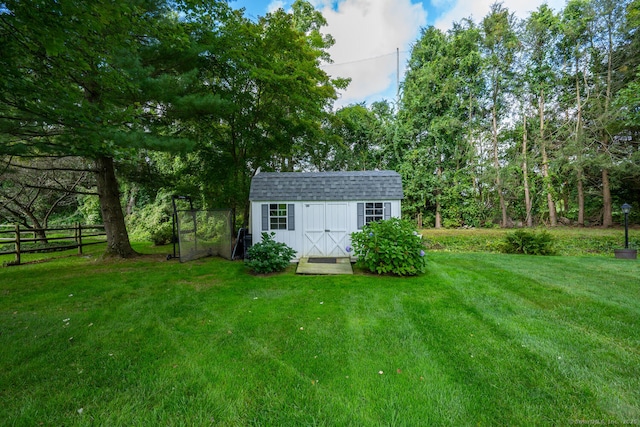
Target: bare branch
column 44, row 169
column 44, row 187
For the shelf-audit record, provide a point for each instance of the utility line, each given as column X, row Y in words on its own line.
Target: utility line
column 364, row 59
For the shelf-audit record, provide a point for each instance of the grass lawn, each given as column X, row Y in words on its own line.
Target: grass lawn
column 570, row 241
column 480, row 339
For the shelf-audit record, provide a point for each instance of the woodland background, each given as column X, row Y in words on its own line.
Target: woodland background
column 107, row 108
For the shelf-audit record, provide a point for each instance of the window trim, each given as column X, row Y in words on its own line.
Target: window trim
column 373, row 211
column 365, row 218
column 278, row 216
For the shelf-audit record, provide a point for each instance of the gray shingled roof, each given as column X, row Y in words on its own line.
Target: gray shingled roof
column 318, row 186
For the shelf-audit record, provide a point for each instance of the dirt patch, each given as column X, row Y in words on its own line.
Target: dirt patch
column 139, row 257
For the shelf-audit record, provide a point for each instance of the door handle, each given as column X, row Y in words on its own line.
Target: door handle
column 327, row 231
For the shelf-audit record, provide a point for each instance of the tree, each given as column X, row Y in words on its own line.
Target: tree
column 610, row 21
column 356, row 137
column 541, row 29
column 32, row 190
column 273, row 99
column 425, row 104
column 500, row 44
column 577, row 17
column 437, row 110
column 94, row 79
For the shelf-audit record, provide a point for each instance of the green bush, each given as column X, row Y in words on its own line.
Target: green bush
column 153, row 221
column 161, row 234
column 89, row 210
column 269, row 256
column 390, row 246
column 528, row 242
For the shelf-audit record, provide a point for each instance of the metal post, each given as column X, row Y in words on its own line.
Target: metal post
column 397, row 74
column 174, row 220
column 626, row 230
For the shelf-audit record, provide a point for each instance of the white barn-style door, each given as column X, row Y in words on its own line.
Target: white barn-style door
column 336, row 229
column 325, row 229
column 313, row 229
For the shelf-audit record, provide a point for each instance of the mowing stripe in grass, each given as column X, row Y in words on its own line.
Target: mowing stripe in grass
column 480, row 339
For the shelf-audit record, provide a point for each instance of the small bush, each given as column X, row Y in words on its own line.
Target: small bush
column 162, row 234
column 528, row 242
column 390, row 246
column 269, row 256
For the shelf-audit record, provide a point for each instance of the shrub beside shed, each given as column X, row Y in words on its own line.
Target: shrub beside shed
column 315, row 213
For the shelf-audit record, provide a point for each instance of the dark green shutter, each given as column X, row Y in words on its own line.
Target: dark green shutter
column 265, row 217
column 360, row 216
column 291, row 221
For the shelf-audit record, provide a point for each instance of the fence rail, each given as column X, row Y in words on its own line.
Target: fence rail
column 65, row 238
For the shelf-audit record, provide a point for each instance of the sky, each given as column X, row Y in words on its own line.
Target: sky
column 374, row 37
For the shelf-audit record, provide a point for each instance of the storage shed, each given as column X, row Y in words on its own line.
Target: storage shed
column 315, row 213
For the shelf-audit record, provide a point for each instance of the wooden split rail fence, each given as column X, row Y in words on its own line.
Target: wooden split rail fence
column 29, row 240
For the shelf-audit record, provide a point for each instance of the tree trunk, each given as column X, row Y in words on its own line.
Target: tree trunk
column 553, row 217
column 132, row 199
column 579, row 171
column 496, row 163
column 525, row 176
column 438, row 223
column 117, row 237
column 607, row 218
column 41, row 236
column 580, row 199
column 38, row 230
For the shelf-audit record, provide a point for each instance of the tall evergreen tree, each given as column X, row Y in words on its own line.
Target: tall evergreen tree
column 438, row 106
column 93, row 79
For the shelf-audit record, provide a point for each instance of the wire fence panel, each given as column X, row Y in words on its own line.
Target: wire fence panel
column 204, row 233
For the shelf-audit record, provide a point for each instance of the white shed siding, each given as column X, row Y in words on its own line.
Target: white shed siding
column 292, row 238
column 312, row 220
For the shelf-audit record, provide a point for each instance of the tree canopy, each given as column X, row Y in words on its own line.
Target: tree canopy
column 106, row 79
column 500, row 121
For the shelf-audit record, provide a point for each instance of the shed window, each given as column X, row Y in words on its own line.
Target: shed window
column 373, row 211
column 277, row 216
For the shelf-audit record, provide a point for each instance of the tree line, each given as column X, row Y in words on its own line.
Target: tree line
column 530, row 122
column 499, row 121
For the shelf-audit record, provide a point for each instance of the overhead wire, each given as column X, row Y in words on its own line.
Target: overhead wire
column 363, row 59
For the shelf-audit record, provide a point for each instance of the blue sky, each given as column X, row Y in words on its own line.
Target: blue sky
column 368, row 32
column 259, row 7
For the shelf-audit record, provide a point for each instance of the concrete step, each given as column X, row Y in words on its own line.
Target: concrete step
column 324, row 266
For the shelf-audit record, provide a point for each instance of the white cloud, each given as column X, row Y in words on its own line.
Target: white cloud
column 367, row 34
column 275, row 5
column 478, row 9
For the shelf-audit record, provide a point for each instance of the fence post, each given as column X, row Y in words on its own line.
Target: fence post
column 79, row 238
column 17, row 244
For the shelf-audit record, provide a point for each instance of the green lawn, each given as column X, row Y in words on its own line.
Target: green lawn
column 570, row 241
column 480, row 339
